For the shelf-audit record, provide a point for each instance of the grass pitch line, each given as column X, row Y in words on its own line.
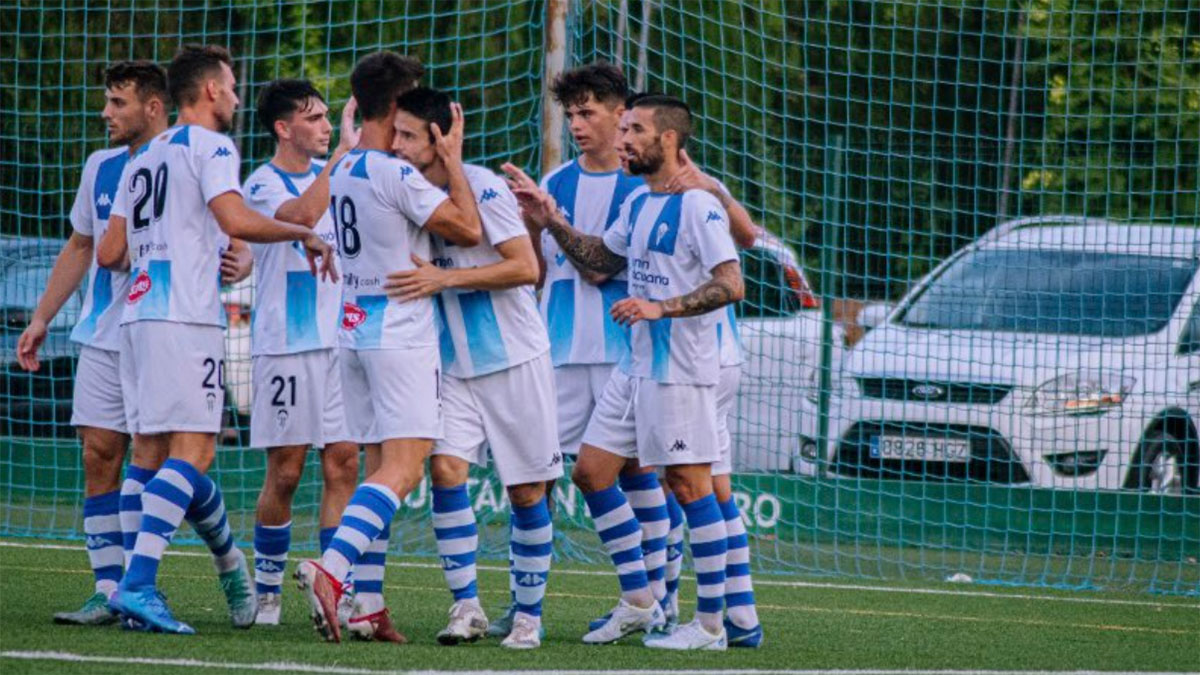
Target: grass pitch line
column 758, row 581
column 293, row 667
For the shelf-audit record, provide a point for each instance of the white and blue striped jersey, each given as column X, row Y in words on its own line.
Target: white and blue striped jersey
column 174, row 241
column 672, row 242
column 100, row 318
column 380, row 204
column 575, row 311
column 483, row 332
column 294, row 311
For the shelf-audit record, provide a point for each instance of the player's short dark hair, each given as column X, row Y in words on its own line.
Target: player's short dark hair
column 636, row 96
column 281, row 98
column 427, row 104
column 669, row 113
column 188, row 70
column 147, row 77
column 604, row 81
column 379, row 78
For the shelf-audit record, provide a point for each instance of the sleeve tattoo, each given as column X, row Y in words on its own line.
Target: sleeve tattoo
column 724, row 288
column 586, row 250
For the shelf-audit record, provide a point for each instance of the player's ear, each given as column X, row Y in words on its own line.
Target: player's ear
column 281, row 130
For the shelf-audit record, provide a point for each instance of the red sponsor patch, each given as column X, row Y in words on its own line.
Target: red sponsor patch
column 352, row 315
column 140, row 287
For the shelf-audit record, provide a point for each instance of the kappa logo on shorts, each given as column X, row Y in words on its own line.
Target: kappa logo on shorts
column 353, row 316
column 678, row 446
column 555, row 459
column 281, row 418
column 140, row 287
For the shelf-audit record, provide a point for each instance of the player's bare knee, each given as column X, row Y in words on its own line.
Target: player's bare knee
column 446, row 472
column 526, row 495
column 339, row 466
column 685, row 487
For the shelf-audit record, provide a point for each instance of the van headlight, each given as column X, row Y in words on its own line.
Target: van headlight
column 1082, row 393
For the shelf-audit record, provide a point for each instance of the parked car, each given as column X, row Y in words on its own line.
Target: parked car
column 35, row 404
column 780, row 326
column 1058, row 351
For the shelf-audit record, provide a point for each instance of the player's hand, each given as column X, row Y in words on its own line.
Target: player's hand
column 449, row 145
column 316, row 249
column 422, row 281
column 690, row 177
column 629, row 311
column 236, row 265
column 536, row 204
column 348, row 134
column 29, row 343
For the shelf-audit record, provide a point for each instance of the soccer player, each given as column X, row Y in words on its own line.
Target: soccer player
column 297, row 381
column 494, row 351
column 585, row 341
column 385, row 212
column 179, row 201
column 135, row 110
column 741, row 620
column 661, row 405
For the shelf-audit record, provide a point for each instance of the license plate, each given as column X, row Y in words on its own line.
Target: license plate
column 920, row 448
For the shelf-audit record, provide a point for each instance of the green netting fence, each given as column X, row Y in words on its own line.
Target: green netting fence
column 994, row 205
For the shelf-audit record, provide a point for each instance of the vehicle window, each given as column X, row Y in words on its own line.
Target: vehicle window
column 767, row 292
column 1189, row 342
column 1052, row 291
column 22, row 285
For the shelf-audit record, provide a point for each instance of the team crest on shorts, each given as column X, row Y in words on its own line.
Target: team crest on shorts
column 352, row 315
column 281, row 418
column 141, row 286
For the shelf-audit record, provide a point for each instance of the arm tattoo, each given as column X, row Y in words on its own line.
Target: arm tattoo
column 586, row 251
column 724, row 288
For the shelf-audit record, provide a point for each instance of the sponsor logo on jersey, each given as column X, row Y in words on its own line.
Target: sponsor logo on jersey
column 560, row 258
column 405, row 171
column 352, row 316
column 488, row 194
column 712, row 215
column 255, row 188
column 139, row 287
column 104, row 200
column 221, row 152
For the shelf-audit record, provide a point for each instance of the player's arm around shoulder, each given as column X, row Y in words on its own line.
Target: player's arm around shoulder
column 457, row 219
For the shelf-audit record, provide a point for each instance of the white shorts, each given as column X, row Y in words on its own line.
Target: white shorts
column 392, row 393
column 660, row 424
column 172, row 376
column 727, row 388
column 297, row 400
column 512, row 412
column 97, row 400
column 579, row 388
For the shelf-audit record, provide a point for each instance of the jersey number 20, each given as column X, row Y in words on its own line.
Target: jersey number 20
column 149, row 187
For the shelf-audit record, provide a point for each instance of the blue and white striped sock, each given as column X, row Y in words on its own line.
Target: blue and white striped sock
column 368, row 514
column 164, row 503
column 271, row 544
column 674, row 545
column 622, row 538
column 457, row 540
column 368, row 574
column 207, row 516
column 325, row 537
column 708, row 545
column 739, row 589
column 132, row 487
column 532, row 546
column 102, row 526
column 645, row 495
